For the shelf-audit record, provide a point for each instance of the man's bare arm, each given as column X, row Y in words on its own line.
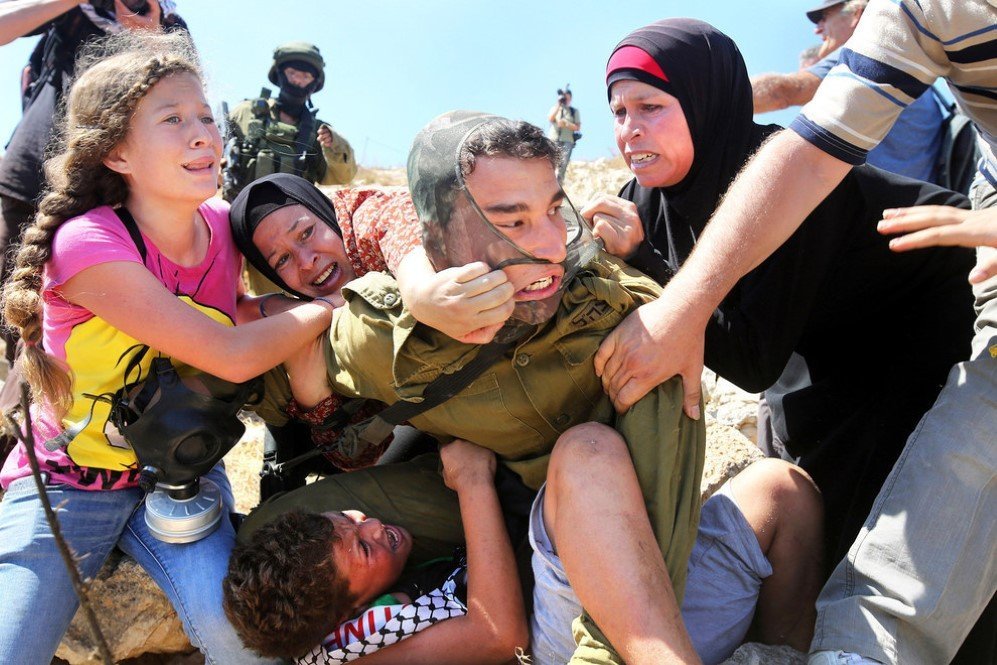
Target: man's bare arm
column 777, row 189
column 19, row 18
column 773, row 92
column 495, row 623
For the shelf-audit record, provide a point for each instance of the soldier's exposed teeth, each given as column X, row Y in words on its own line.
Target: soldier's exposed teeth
column 540, row 284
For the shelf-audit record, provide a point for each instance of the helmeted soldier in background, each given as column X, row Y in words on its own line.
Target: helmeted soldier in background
column 283, row 135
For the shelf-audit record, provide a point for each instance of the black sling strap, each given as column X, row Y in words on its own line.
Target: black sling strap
column 306, row 130
column 439, row 391
column 132, row 228
column 377, row 428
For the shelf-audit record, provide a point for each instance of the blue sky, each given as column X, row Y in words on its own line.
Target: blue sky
column 392, row 65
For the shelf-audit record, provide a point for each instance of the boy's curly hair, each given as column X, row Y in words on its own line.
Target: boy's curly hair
column 283, row 592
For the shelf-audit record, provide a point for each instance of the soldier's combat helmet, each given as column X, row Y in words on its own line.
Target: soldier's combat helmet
column 300, row 51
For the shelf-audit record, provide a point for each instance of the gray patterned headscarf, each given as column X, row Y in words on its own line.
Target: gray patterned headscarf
column 109, row 23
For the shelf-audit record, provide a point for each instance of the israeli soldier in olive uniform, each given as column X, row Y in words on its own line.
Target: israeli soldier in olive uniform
column 283, row 135
column 541, row 386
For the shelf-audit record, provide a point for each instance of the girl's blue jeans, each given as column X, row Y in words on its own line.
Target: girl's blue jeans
column 38, row 600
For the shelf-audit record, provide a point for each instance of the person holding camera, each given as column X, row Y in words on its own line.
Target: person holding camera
column 65, row 26
column 565, row 121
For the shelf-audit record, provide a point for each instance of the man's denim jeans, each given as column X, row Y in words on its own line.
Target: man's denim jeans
column 924, row 566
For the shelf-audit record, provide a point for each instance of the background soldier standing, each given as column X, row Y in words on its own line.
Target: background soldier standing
column 565, row 121
column 283, row 135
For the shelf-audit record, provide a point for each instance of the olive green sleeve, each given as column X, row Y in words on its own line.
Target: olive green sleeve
column 668, row 450
column 639, row 286
column 340, row 165
column 277, row 393
column 236, row 120
column 359, row 356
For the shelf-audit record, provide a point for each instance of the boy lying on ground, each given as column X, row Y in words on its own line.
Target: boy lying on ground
column 305, row 573
column 333, row 586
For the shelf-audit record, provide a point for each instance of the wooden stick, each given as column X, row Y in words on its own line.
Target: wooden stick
column 27, row 437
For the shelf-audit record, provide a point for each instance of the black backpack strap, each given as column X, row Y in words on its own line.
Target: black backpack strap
column 303, row 139
column 132, row 228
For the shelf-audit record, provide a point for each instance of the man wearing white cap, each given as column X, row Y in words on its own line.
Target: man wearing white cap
column 910, row 149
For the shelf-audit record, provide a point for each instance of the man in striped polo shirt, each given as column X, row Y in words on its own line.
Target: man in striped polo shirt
column 924, row 567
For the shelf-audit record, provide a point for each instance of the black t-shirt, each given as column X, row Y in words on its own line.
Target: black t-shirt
column 866, row 320
column 21, row 174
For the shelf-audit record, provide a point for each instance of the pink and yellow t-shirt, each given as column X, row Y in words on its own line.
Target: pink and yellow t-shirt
column 97, row 353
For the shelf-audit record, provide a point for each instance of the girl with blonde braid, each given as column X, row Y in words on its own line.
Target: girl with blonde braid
column 138, row 140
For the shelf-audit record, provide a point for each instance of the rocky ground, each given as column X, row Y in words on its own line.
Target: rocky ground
column 142, row 627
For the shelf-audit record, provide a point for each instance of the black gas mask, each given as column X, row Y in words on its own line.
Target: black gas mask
column 179, row 429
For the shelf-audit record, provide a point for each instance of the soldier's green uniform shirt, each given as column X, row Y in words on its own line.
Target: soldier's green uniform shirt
column 322, row 166
column 517, row 408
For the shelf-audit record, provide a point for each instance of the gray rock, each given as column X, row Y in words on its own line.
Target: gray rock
column 763, row 654
column 727, row 453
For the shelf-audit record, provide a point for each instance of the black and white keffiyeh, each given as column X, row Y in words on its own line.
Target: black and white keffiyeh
column 405, row 620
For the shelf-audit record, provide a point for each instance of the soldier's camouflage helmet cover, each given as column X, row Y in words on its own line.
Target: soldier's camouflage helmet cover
column 443, row 201
column 298, row 51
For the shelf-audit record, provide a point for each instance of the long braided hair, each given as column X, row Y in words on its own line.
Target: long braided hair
column 113, row 75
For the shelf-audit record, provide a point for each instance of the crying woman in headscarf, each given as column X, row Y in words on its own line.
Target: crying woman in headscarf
column 309, row 245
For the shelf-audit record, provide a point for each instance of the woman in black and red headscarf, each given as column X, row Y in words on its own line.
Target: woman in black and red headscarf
column 834, row 319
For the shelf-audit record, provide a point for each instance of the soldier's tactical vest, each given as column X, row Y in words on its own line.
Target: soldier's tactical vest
column 272, row 146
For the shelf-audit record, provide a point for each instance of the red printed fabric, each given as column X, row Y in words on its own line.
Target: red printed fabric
column 321, row 412
column 379, row 226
